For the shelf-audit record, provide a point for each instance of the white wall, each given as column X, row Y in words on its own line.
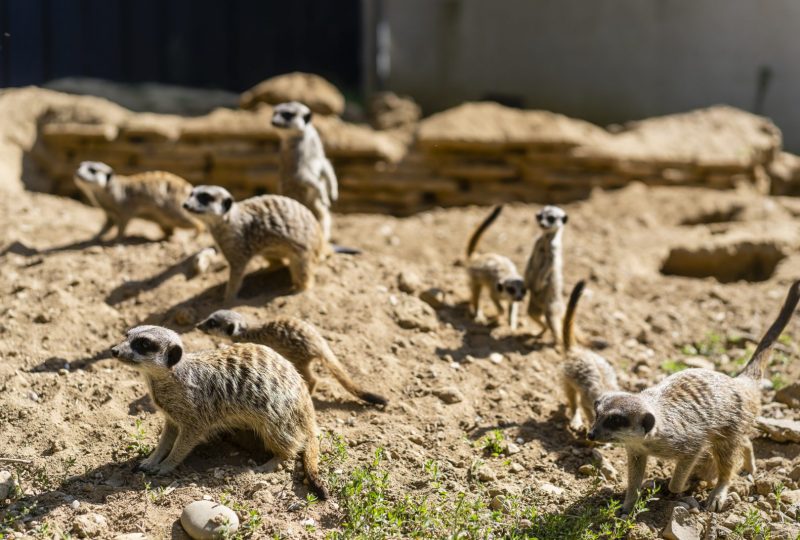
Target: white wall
column 602, row 60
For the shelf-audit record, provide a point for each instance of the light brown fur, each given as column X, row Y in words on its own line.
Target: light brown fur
column 585, row 375
column 155, row 195
column 690, row 414
column 297, row 341
column 494, row 272
column 272, row 226
column 544, row 273
column 245, row 386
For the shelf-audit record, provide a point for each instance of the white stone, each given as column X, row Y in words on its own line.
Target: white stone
column 682, row 526
column 551, row 489
column 207, row 520
column 7, row 485
column 496, row 357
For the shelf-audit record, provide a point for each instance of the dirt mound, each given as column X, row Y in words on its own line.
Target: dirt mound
column 455, row 386
column 315, row 92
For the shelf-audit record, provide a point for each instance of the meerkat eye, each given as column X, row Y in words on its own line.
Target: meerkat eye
column 143, row 346
column 287, row 115
column 212, row 323
column 204, row 198
column 92, row 170
column 615, row 421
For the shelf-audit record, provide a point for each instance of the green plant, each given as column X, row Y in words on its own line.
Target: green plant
column 137, row 446
column 492, row 443
column 753, row 526
column 673, row 366
column 779, row 380
column 249, row 525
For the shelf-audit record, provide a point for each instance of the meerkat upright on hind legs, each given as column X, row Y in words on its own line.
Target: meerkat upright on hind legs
column 495, row 272
column 689, row 415
column 245, row 386
column 306, row 174
column 155, row 195
column 585, row 374
column 544, row 273
column 273, row 226
column 297, row 341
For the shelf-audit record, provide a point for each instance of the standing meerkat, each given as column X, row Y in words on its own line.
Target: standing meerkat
column 245, row 386
column 495, row 272
column 296, row 340
column 156, row 196
column 544, row 273
column 585, row 374
column 272, row 226
column 689, row 415
column 306, row 174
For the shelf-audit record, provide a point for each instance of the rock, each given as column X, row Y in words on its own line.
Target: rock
column 516, row 468
column 411, row 313
column 779, row 430
column 130, row 536
column 495, row 357
column 784, row 531
column 511, row 449
column 764, row 486
column 8, row 486
column 587, row 469
column 449, row 395
column 551, row 489
column 790, row 395
column 89, row 525
column 485, row 474
column 184, row 316
column 791, row 496
column 498, row 503
column 640, row 531
column 387, row 110
column 207, row 520
column 682, row 526
column 698, row 362
column 408, row 282
column 315, row 92
column 434, row 297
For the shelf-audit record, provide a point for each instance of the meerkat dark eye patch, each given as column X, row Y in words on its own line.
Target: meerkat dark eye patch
column 174, row 355
column 204, row 198
column 231, row 329
column 211, row 323
column 616, row 421
column 143, row 346
column 227, row 203
column 564, row 220
column 307, row 117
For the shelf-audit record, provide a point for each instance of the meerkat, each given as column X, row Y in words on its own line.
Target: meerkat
column 585, row 374
column 272, row 226
column 245, row 386
column 306, row 174
column 495, row 272
column 296, row 340
column 689, row 415
column 544, row 273
column 154, row 195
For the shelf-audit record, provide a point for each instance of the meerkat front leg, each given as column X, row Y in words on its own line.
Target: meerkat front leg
column 302, row 273
column 308, row 375
column 165, row 444
column 185, row 441
column 122, row 224
column 637, row 465
column 475, row 300
column 554, row 324
column 324, row 217
column 235, row 278
column 513, row 315
column 105, row 228
column 573, row 412
column 680, row 476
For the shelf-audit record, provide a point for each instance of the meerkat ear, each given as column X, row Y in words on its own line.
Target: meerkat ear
column 648, row 422
column 307, row 117
column 227, row 202
column 566, row 218
column 174, row 355
column 231, row 329
column 499, row 287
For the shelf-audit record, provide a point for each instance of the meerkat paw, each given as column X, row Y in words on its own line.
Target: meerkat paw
column 147, row 465
column 162, row 469
column 577, row 421
column 717, row 499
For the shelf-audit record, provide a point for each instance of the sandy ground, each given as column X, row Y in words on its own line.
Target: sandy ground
column 71, row 410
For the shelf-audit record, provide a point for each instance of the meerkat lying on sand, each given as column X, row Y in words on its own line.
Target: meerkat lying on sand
column 494, row 272
column 244, row 386
column 296, row 340
column 156, row 196
column 690, row 414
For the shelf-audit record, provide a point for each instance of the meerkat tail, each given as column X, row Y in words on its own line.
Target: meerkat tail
column 311, row 467
column 568, row 329
column 758, row 362
column 345, row 250
column 336, row 368
column 476, row 236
